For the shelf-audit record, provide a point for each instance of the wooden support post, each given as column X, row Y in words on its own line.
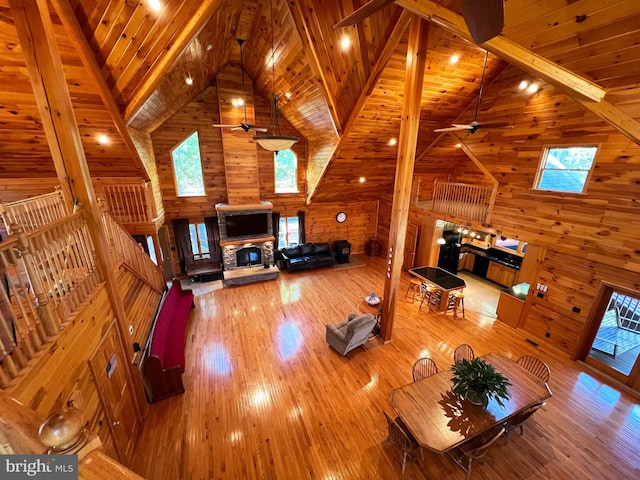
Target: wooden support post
column 35, row 33
column 414, row 78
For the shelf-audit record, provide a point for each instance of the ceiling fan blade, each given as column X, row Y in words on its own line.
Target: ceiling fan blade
column 259, row 129
column 363, row 12
column 484, row 18
column 225, row 126
column 453, row 129
column 495, row 125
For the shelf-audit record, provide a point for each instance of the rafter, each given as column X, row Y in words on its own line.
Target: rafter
column 588, row 94
column 198, row 21
column 473, row 158
column 372, row 80
column 309, row 42
column 70, row 22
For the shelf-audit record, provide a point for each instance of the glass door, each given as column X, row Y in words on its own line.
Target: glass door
column 615, row 348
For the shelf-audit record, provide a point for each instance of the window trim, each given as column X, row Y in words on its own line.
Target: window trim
column 173, row 166
column 287, row 245
column 200, row 254
column 542, row 160
column 275, row 180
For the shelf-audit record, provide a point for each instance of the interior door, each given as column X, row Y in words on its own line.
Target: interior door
column 167, row 259
column 108, row 366
column 410, row 246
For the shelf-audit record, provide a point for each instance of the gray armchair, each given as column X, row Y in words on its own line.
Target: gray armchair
column 350, row 334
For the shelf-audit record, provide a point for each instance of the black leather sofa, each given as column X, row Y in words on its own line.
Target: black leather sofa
column 306, row 256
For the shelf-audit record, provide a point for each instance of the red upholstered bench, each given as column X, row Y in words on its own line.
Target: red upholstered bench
column 164, row 364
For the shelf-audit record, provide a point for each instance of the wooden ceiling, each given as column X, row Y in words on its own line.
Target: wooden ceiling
column 346, row 103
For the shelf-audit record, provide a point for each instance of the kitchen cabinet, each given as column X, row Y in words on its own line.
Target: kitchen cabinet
column 501, row 274
column 509, row 309
column 466, row 261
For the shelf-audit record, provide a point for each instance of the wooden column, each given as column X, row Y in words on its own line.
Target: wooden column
column 35, row 32
column 414, row 77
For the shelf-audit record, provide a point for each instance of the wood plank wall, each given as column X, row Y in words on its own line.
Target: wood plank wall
column 199, row 115
column 14, row 189
column 239, row 150
column 46, row 389
column 591, row 237
column 144, row 146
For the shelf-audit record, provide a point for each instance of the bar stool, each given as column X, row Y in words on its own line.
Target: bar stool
column 456, row 300
column 414, row 288
column 429, row 294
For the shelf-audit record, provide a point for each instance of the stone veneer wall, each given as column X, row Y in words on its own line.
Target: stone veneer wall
column 229, row 258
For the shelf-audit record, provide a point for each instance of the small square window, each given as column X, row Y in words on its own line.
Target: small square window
column 565, row 169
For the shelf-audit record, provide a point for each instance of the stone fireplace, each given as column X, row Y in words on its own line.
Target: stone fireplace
column 247, row 242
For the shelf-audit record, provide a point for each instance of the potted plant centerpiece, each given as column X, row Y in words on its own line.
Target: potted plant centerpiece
column 479, row 382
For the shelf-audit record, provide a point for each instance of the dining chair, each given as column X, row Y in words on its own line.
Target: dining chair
column 423, row 368
column 519, row 419
column 535, row 366
column 402, row 440
column 463, row 351
column 476, row 448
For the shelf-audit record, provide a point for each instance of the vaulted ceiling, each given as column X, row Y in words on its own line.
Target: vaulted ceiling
column 347, row 103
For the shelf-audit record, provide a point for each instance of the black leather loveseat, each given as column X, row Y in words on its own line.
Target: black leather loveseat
column 306, row 256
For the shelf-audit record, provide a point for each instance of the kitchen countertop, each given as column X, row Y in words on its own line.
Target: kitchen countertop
column 518, row 291
column 468, row 248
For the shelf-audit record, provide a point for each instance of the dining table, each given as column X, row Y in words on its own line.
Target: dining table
column 446, row 282
column 441, row 420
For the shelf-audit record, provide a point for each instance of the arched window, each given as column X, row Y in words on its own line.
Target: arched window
column 188, row 168
column 286, row 171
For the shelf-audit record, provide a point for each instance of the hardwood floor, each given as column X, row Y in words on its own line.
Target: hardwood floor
column 267, row 398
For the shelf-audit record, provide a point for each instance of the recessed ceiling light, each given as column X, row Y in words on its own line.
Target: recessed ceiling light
column 237, row 102
column 288, row 95
column 345, row 42
column 155, row 5
column 458, row 145
column 103, row 139
column 523, row 84
column 188, row 81
column 393, row 141
column 454, row 59
column 361, row 179
column 533, row 88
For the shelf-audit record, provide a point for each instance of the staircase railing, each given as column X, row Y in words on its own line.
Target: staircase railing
column 128, row 203
column 123, row 248
column 474, row 202
column 47, row 274
column 34, row 212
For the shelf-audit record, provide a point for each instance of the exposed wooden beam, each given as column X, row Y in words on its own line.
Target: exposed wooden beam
column 309, row 42
column 507, row 50
column 46, row 74
column 74, row 30
column 589, row 94
column 430, row 147
column 473, row 158
column 198, row 21
column 409, row 126
column 372, row 80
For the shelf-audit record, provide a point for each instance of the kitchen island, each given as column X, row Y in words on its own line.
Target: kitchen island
column 511, row 303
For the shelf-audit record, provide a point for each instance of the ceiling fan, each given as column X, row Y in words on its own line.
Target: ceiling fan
column 475, row 125
column 484, row 18
column 246, row 126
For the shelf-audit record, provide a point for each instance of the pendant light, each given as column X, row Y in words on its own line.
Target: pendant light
column 273, row 140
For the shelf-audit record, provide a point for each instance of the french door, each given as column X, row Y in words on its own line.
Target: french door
column 612, row 344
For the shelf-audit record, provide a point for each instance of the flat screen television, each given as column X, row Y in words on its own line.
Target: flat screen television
column 247, row 225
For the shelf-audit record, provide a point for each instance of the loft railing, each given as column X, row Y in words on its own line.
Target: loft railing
column 47, row 273
column 124, row 249
column 34, row 212
column 128, row 203
column 473, row 202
